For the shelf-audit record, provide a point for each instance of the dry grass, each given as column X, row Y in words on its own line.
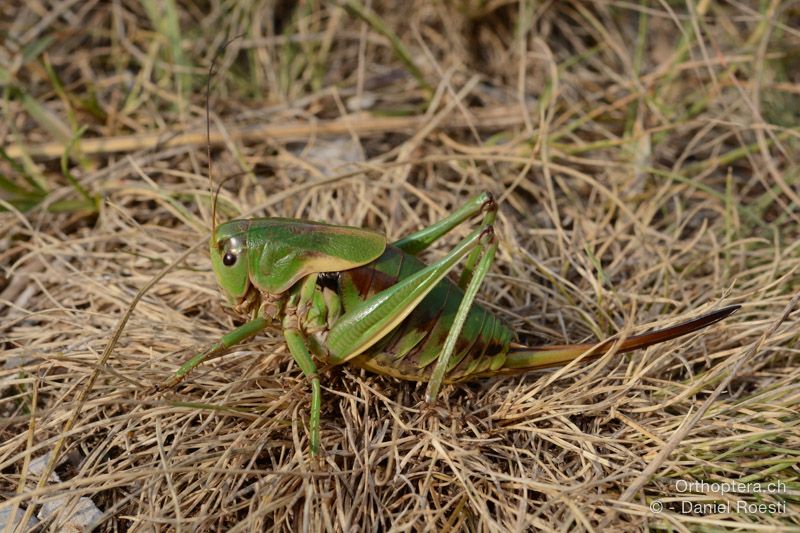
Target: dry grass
column 646, row 158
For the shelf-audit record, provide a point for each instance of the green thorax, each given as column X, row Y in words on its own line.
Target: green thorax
column 273, row 254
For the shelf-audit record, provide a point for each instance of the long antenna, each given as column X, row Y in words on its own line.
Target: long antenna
column 208, row 135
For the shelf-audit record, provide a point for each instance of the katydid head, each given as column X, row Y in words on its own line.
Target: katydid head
column 229, row 259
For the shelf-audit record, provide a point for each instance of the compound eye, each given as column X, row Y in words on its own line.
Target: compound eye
column 229, row 259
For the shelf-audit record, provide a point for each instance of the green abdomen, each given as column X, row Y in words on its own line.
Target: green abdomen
column 409, row 351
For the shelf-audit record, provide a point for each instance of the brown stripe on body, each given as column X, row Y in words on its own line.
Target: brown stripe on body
column 378, row 275
column 428, row 324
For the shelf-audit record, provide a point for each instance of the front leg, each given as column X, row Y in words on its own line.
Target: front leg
column 296, row 311
column 239, row 335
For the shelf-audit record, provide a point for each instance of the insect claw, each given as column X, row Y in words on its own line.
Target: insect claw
column 489, row 204
column 317, row 463
column 487, row 235
column 158, row 389
column 429, row 408
column 170, row 383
